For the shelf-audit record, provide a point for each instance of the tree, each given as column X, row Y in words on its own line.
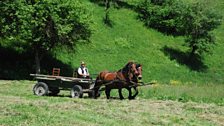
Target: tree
column 107, row 4
column 44, row 24
column 193, row 21
column 199, row 22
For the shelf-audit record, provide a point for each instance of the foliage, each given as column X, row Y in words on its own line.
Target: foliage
column 163, row 15
column 194, row 21
column 198, row 24
column 107, row 4
column 44, row 24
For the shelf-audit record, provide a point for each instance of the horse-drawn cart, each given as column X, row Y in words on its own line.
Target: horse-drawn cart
column 49, row 84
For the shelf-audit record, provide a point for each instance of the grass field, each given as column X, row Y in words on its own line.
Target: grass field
column 18, row 106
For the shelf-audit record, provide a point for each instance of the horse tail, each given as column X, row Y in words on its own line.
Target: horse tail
column 97, row 79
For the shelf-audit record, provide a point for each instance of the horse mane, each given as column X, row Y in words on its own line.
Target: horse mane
column 126, row 67
column 138, row 65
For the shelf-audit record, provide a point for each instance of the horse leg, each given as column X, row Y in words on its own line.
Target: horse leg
column 136, row 93
column 97, row 87
column 107, row 92
column 129, row 90
column 96, row 93
column 120, row 93
column 129, row 95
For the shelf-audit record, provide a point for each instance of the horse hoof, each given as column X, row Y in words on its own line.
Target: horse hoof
column 121, row 98
column 131, row 98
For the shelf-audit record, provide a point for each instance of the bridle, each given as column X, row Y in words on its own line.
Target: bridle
column 133, row 72
column 138, row 74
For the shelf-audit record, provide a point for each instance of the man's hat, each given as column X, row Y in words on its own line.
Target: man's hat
column 82, row 62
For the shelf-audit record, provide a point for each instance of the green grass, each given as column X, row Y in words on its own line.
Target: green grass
column 128, row 39
column 208, row 93
column 18, row 106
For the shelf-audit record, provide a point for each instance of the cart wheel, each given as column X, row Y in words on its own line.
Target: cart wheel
column 40, row 89
column 76, row 92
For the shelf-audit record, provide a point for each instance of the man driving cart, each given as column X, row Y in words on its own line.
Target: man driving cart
column 83, row 71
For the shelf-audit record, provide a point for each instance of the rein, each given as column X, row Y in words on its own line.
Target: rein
column 117, row 81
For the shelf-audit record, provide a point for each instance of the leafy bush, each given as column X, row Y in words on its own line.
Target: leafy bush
column 194, row 21
column 163, row 15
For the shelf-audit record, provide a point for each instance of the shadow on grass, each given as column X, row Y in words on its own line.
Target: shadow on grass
column 107, row 21
column 123, row 4
column 68, row 96
column 194, row 63
column 16, row 65
column 98, row 2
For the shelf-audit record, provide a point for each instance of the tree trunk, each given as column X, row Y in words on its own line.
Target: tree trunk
column 107, row 7
column 194, row 48
column 37, row 61
column 107, row 4
column 192, row 55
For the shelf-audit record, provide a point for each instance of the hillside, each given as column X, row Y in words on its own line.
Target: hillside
column 128, row 39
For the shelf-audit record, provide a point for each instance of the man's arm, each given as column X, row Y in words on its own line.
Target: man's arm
column 87, row 72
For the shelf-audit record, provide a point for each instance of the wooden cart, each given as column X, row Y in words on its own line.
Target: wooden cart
column 49, row 84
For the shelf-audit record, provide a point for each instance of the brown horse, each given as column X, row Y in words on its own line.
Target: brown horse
column 117, row 80
column 135, row 79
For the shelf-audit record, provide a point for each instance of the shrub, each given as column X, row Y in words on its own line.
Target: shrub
column 194, row 21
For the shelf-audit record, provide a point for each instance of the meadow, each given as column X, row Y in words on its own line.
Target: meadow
column 18, row 106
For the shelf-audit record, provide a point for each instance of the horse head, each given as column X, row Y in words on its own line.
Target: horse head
column 131, row 71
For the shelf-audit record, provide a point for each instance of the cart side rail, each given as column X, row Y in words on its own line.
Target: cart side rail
column 51, row 77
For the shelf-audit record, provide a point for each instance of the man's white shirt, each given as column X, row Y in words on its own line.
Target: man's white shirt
column 84, row 72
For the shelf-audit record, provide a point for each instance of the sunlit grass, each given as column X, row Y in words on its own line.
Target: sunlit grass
column 109, row 50
column 18, row 106
column 209, row 93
